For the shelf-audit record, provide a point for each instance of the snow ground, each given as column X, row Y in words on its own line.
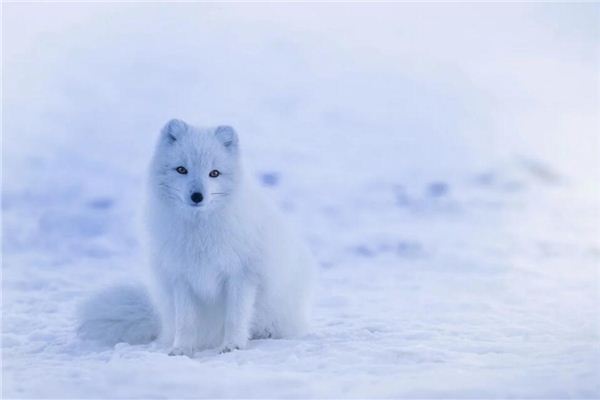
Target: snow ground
column 441, row 160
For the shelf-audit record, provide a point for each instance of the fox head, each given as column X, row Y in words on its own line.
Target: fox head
column 195, row 170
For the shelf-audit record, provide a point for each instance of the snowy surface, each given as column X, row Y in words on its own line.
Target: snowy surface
column 441, row 160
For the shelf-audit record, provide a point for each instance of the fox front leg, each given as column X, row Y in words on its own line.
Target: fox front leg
column 239, row 304
column 186, row 322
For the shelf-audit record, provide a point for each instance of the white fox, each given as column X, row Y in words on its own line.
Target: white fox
column 226, row 267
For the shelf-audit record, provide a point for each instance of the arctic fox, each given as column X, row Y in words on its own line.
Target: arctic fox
column 226, row 267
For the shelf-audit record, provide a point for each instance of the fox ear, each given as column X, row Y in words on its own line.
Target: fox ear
column 173, row 129
column 227, row 135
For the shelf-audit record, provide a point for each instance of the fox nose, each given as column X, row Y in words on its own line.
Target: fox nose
column 197, row 197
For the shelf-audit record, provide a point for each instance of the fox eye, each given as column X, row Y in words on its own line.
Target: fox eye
column 214, row 173
column 181, row 170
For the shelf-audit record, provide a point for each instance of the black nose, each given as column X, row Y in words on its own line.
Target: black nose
column 197, row 197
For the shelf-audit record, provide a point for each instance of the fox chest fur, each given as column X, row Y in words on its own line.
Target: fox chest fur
column 204, row 254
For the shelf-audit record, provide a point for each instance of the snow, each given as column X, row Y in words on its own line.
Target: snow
column 440, row 159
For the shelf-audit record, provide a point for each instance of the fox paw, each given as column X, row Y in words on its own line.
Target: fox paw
column 263, row 334
column 228, row 349
column 182, row 351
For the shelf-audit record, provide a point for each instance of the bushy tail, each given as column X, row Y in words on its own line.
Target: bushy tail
column 120, row 314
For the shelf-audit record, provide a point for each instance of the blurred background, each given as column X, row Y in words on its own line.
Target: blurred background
column 442, row 159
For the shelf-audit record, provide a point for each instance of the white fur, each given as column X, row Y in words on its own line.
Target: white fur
column 228, row 268
column 119, row 314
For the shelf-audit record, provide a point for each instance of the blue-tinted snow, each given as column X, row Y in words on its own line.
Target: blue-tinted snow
column 440, row 159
